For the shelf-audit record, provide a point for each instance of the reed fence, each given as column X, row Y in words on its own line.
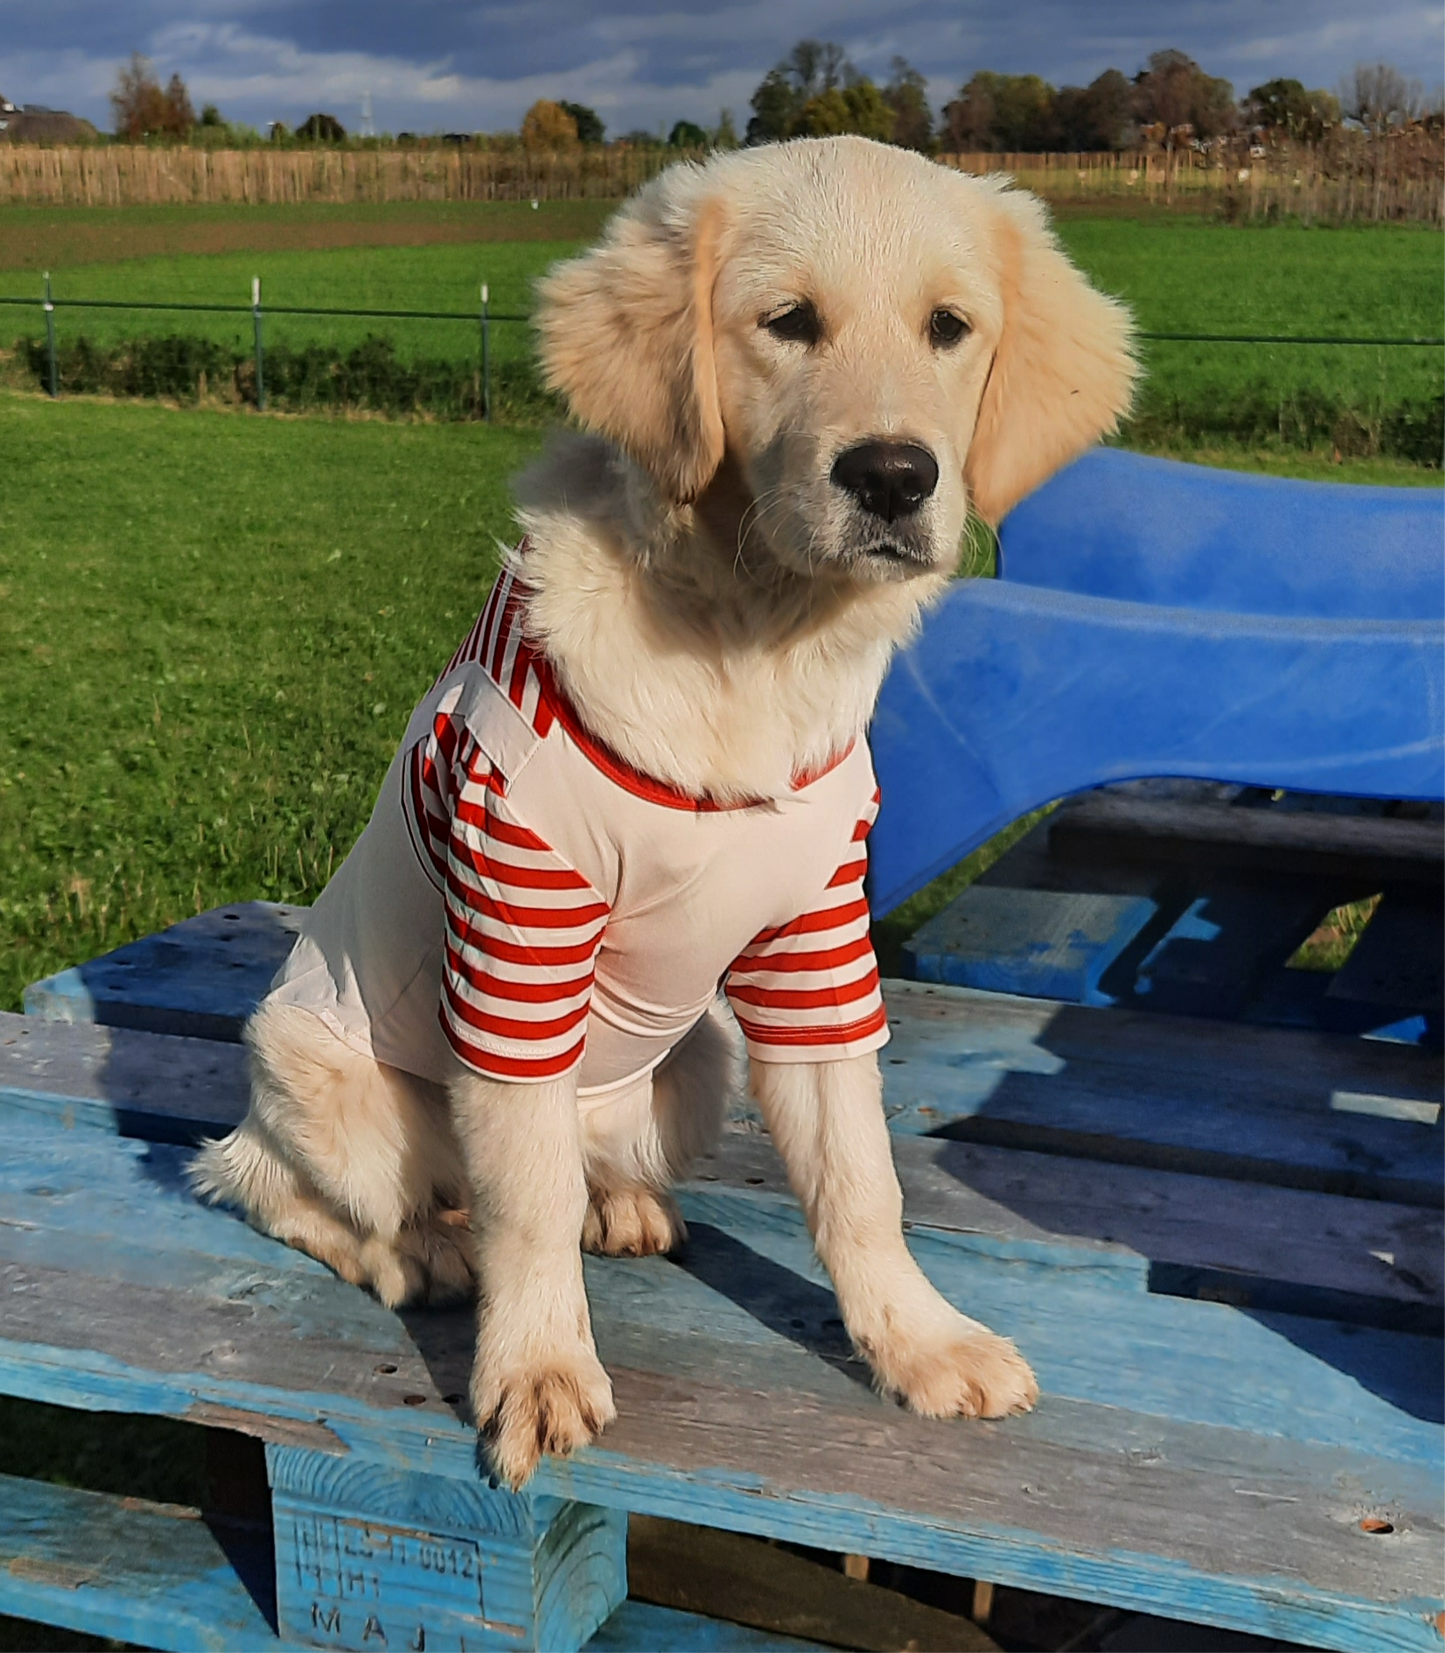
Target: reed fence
column 1351, row 176
column 122, row 175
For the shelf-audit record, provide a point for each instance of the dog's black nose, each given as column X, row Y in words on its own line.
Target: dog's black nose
column 888, row 479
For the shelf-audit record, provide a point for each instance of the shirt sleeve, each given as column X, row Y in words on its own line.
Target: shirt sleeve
column 809, row 991
column 522, row 933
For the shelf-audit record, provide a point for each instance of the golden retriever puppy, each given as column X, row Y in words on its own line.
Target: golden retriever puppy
column 645, row 774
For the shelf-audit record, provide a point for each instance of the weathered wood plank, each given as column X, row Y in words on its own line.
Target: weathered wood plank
column 1180, row 1486
column 1175, row 1093
column 1031, row 1210
column 1316, row 842
column 1238, row 1237
column 159, row 1576
column 1027, row 1206
column 1045, row 944
column 159, row 1087
column 638, row 1627
column 200, row 978
column 773, row 1589
column 745, row 1280
column 153, row 1574
column 1237, row 1529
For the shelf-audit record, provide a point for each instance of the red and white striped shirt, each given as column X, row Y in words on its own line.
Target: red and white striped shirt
column 568, row 912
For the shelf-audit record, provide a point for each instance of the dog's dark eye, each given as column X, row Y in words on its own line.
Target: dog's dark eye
column 945, row 329
column 798, row 324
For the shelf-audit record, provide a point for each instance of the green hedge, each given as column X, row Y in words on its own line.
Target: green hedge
column 370, row 377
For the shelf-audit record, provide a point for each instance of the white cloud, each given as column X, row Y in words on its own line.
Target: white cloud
column 648, row 69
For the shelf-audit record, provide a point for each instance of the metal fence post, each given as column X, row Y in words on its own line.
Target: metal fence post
column 1442, row 432
column 260, row 348
column 486, row 359
column 50, row 338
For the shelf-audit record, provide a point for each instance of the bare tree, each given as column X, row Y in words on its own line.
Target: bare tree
column 1378, row 96
column 816, row 66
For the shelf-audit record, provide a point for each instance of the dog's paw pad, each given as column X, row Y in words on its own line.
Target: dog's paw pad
column 632, row 1222
column 553, row 1409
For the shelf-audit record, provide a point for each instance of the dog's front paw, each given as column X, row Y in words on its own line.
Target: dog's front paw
column 970, row 1373
column 631, row 1222
column 556, row 1405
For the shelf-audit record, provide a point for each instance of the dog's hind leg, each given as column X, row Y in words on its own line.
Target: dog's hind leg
column 347, row 1159
column 637, row 1145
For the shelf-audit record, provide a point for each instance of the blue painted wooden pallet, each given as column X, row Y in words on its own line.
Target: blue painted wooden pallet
column 1190, row 898
column 1240, row 1381
column 199, row 978
column 1219, row 1243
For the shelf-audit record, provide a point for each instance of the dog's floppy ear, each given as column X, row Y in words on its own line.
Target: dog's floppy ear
column 627, row 334
column 1064, row 370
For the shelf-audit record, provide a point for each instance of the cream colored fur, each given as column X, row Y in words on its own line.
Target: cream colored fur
column 721, row 613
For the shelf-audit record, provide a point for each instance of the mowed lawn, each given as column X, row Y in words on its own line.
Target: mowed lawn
column 1195, row 275
column 214, row 628
column 1180, row 274
column 388, row 256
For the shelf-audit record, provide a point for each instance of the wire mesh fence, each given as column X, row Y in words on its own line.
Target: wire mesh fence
column 468, row 381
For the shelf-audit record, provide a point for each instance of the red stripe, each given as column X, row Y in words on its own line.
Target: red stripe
column 806, row 777
column 519, row 878
column 511, row 1067
column 861, row 831
column 617, row 769
column 850, row 1033
column 525, row 918
column 505, row 627
column 505, row 832
column 445, row 731
column 830, row 918
column 511, row 952
column 851, row 872
column 522, row 992
column 787, row 963
column 510, row 1027
column 805, row 998
column 517, row 689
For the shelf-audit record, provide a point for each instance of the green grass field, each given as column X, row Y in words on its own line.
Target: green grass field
column 215, row 625
column 214, row 628
column 1179, row 274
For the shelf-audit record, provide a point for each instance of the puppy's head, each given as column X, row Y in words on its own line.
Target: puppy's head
column 878, row 343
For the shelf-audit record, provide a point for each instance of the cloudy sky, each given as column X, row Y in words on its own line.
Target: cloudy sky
column 456, row 65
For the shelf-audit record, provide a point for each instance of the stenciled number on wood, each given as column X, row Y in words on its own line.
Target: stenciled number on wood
column 354, row 1570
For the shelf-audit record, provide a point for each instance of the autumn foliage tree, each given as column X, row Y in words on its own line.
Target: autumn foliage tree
column 144, row 109
column 547, row 125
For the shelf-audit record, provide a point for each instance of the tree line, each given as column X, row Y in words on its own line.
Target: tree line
column 816, row 91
